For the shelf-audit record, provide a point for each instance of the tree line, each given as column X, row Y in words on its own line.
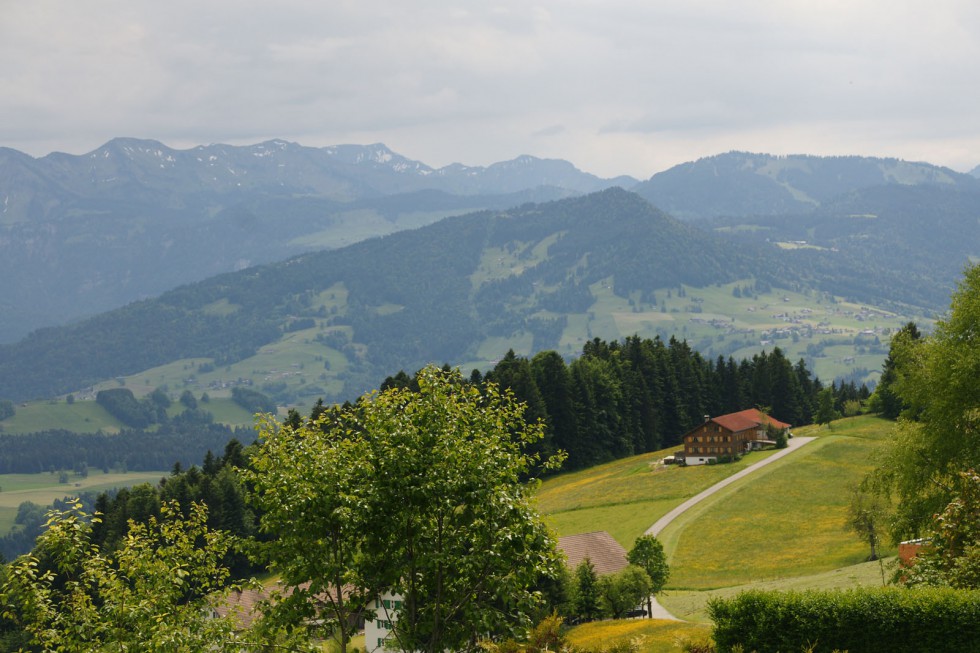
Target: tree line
column 179, row 441
column 623, row 398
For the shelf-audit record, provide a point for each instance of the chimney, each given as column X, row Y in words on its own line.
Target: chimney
column 707, row 418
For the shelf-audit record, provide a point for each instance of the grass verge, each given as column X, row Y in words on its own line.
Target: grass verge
column 691, row 605
column 653, row 635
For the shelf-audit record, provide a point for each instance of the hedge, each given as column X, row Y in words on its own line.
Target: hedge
column 866, row 620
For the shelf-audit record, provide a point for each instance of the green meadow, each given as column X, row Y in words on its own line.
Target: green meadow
column 43, row 489
column 626, row 496
column 79, row 417
column 782, row 527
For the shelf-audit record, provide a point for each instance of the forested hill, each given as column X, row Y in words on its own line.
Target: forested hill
column 403, row 300
column 747, row 184
column 902, row 243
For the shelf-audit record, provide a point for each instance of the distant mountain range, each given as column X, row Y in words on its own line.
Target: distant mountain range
column 83, row 234
column 134, row 218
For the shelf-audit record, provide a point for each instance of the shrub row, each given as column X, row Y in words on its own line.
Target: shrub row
column 863, row 620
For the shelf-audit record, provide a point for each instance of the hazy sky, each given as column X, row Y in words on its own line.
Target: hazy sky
column 615, row 86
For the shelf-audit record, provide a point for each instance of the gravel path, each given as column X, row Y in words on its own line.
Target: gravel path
column 659, row 612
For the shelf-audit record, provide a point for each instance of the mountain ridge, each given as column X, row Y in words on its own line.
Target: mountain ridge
column 745, row 183
column 410, row 298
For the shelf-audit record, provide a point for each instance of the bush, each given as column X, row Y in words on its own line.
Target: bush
column 866, row 620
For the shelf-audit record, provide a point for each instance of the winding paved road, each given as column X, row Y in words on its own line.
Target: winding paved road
column 659, row 612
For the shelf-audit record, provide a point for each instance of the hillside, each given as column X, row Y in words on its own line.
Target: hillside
column 395, row 302
column 134, row 218
column 904, row 243
column 80, row 235
column 746, row 184
column 794, row 510
column 462, row 291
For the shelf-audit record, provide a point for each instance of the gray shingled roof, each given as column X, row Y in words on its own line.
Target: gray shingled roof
column 606, row 554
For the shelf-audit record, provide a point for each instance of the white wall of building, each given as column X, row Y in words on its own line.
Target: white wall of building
column 377, row 631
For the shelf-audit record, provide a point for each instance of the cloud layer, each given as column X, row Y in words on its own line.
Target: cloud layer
column 617, row 87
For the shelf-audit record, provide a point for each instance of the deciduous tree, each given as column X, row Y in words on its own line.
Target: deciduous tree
column 866, row 515
column 155, row 593
column 419, row 493
column 624, row 590
column 938, row 435
column 648, row 554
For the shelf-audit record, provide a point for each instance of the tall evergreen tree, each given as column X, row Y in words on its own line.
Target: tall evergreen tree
column 555, row 386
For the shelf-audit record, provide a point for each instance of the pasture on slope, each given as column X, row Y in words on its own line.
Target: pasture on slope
column 782, row 527
column 86, row 416
column 626, row 496
column 786, row 520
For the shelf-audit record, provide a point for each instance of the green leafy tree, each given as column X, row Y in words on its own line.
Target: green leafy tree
column 452, row 527
column 938, row 434
column 188, row 400
column 952, row 556
column 311, row 486
column 866, row 517
column 624, row 590
column 648, row 554
column 420, row 493
column 155, row 593
column 777, row 435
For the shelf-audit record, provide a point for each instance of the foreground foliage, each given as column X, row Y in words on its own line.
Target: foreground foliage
column 939, row 432
column 155, row 593
column 952, row 553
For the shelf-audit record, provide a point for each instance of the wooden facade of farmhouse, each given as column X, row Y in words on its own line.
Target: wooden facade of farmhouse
column 728, row 435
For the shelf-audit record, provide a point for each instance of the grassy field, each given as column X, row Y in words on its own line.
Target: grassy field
column 786, row 520
column 80, row 417
column 86, row 416
column 690, row 605
column 42, row 489
column 779, row 528
column 626, row 496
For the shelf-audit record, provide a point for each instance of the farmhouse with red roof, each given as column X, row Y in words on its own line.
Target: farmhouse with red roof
column 728, row 435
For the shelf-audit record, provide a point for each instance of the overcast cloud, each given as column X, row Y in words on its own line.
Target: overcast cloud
column 615, row 86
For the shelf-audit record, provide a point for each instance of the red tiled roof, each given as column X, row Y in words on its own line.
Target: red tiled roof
column 605, row 553
column 747, row 419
